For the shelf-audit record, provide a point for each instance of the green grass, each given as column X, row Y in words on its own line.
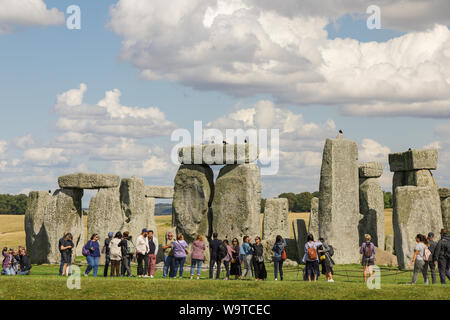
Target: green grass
column 44, row 284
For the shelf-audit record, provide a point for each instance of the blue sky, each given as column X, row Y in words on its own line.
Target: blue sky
column 37, row 63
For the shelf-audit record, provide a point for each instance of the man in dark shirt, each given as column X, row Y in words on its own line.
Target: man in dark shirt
column 151, row 254
column 107, row 254
column 61, row 264
column 442, row 256
column 214, row 257
column 431, row 263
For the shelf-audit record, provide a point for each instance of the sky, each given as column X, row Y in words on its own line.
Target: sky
column 106, row 98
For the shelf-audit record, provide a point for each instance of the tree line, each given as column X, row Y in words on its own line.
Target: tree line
column 301, row 202
column 13, row 204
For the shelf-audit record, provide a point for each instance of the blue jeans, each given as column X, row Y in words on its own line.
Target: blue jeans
column 168, row 265
column 179, row 263
column 199, row 266
column 9, row 271
column 92, row 264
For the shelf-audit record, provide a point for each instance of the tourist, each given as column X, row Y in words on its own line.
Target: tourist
column 115, row 253
column 142, row 250
column 227, row 259
column 235, row 269
column 325, row 252
column 247, row 254
column 311, row 258
column 9, row 262
column 258, row 260
column 168, row 254
column 179, row 252
column 66, row 250
column 61, row 263
column 367, row 250
column 418, row 261
column 198, row 255
column 24, row 262
column 126, row 252
column 442, row 256
column 105, row 251
column 153, row 251
column 278, row 248
column 214, row 245
column 431, row 263
column 94, row 255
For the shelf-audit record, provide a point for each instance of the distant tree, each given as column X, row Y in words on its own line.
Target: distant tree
column 13, row 204
column 303, row 202
column 388, row 203
column 291, row 199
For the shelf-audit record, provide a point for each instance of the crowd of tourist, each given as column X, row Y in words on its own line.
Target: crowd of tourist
column 238, row 260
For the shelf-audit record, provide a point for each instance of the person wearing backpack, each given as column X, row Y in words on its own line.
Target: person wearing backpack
column 442, row 256
column 214, row 245
column 126, row 253
column 93, row 255
column 311, row 258
column 325, row 252
column 430, row 262
column 105, row 251
column 367, row 250
column 420, row 257
column 115, row 252
column 278, row 248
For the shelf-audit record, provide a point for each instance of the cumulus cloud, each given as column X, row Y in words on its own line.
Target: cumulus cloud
column 3, row 148
column 24, row 142
column 46, row 157
column 252, row 47
column 25, row 13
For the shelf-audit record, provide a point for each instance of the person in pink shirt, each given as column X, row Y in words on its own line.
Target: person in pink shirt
column 198, row 255
column 227, row 259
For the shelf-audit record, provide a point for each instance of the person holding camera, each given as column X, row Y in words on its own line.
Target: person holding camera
column 66, row 253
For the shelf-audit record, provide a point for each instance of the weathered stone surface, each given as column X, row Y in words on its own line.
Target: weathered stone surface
column 134, row 205
column 159, row 192
column 276, row 218
column 88, row 181
column 339, row 199
column 370, row 170
column 105, row 214
column 313, row 224
column 150, row 213
column 445, row 207
column 413, row 160
column 371, row 206
column 237, row 201
column 218, row 154
column 300, row 234
column 384, row 258
column 193, row 194
column 444, row 193
column 415, row 212
column 389, row 243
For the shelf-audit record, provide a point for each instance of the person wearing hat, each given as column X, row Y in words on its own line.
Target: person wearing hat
column 431, row 262
column 142, row 250
column 106, row 251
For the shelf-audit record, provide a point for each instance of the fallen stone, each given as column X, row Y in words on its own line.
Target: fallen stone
column 236, row 207
column 371, row 206
column 218, row 154
column 370, row 170
column 300, row 235
column 88, row 181
column 159, row 192
column 444, row 193
column 276, row 218
column 413, row 160
column 339, row 199
column 313, row 224
column 193, row 194
column 415, row 212
column 384, row 258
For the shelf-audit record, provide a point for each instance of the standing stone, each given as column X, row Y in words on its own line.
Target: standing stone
column 300, row 235
column 193, row 194
column 339, row 199
column 105, row 214
column 414, row 213
column 371, row 206
column 313, row 225
column 237, row 201
column 389, row 243
column 276, row 219
column 445, row 206
column 134, row 205
column 150, row 213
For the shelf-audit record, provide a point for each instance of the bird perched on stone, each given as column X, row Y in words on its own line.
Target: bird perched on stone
column 224, row 142
column 340, row 131
column 340, row 135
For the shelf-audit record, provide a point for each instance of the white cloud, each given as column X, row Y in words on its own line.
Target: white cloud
column 25, row 13
column 46, row 157
column 25, row 141
column 3, row 148
column 258, row 47
column 371, row 150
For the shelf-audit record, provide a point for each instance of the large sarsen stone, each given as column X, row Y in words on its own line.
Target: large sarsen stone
column 88, row 181
column 276, row 218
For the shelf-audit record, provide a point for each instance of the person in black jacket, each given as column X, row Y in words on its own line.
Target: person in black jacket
column 106, row 252
column 442, row 256
column 125, row 256
column 214, row 257
column 431, row 263
column 258, row 260
column 24, row 262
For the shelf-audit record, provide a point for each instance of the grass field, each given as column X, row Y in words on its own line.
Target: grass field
column 12, row 233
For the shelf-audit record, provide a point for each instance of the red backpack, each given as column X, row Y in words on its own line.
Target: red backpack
column 312, row 253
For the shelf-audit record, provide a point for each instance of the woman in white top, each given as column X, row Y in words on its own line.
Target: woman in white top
column 418, row 260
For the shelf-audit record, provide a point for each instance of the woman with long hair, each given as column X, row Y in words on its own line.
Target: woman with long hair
column 258, row 260
column 115, row 254
column 66, row 253
column 93, row 256
column 198, row 255
column 235, row 269
column 418, row 261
